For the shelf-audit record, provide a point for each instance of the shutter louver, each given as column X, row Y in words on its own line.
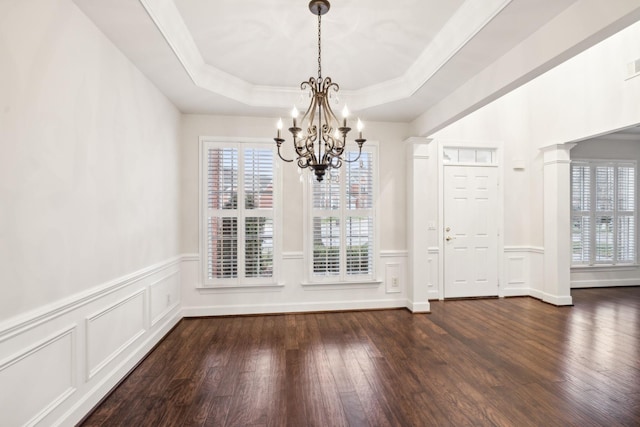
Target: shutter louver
column 359, row 245
column 326, row 246
column 580, row 211
column 222, row 243
column 258, row 247
column 626, row 232
column 222, row 178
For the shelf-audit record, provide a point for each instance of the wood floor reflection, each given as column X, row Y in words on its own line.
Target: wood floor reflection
column 503, row 362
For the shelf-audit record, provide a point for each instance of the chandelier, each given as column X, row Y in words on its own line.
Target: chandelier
column 319, row 138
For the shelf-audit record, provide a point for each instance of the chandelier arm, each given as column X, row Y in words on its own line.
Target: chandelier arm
column 359, row 141
column 279, row 142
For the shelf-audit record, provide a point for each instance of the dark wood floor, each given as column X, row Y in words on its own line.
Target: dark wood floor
column 503, row 362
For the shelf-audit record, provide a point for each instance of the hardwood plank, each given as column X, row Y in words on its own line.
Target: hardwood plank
column 494, row 362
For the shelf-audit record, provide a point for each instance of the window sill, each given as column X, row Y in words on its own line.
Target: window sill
column 342, row 284
column 604, row 268
column 238, row 286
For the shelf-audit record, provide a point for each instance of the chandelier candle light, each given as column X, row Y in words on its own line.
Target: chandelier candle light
column 319, row 123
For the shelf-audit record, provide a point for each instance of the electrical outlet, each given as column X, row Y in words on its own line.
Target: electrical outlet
column 394, row 282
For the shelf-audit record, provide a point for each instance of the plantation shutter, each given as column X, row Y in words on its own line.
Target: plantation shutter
column 603, row 212
column 239, row 217
column 581, row 213
column 222, row 222
column 604, row 195
column 626, row 221
column 359, row 216
column 342, row 221
column 258, row 227
column 327, row 208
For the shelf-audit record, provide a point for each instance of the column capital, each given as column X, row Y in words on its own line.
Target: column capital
column 557, row 153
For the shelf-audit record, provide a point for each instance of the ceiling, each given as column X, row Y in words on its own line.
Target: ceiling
column 394, row 60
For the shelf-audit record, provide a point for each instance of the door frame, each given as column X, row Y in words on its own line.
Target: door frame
column 499, row 205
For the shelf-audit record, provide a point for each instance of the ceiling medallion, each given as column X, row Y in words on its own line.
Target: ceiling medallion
column 319, row 138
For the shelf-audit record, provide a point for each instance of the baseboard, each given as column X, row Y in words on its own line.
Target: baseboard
column 515, row 292
column 298, row 307
column 604, row 283
column 419, row 307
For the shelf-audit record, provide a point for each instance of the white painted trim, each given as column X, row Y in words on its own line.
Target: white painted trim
column 433, row 250
column 516, row 292
column 532, row 249
column 91, row 380
column 45, row 314
column 293, row 255
column 70, row 331
column 242, row 286
column 298, row 307
column 190, row 257
column 432, row 294
column 341, row 285
column 604, row 268
column 604, row 283
column 419, row 307
column 394, row 254
column 556, row 300
column 93, row 371
column 462, row 27
column 168, row 309
column 86, row 402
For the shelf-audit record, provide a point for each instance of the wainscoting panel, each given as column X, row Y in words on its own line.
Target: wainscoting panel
column 433, row 276
column 603, row 277
column 293, row 292
column 56, row 363
column 517, row 261
column 47, row 369
column 164, row 296
column 111, row 331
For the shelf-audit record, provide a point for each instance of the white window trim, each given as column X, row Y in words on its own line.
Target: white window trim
column 604, row 266
column 341, row 282
column 205, row 283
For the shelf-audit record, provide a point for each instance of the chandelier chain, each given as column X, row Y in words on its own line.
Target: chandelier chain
column 319, row 45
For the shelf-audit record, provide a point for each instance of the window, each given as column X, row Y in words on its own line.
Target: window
column 603, row 212
column 464, row 155
column 238, row 212
column 341, row 246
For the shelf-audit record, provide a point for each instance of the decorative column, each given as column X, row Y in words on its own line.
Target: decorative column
column 420, row 203
column 557, row 224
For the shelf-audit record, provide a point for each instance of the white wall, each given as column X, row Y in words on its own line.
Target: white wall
column 292, row 296
column 586, row 96
column 89, row 215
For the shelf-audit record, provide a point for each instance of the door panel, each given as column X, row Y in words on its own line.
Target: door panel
column 471, row 231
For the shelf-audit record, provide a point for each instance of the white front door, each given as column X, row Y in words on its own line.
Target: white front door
column 471, row 231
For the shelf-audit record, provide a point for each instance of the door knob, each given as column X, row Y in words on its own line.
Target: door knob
column 449, row 238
